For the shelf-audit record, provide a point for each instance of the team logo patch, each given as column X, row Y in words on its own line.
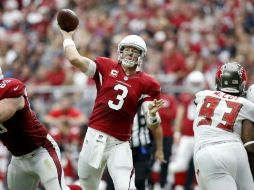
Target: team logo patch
column 113, row 73
column 125, row 78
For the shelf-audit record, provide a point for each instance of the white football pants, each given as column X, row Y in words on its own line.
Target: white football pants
column 223, row 166
column 100, row 149
column 25, row 172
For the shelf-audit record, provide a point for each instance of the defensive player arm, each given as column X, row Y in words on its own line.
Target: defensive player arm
column 9, row 106
column 84, row 64
column 248, row 140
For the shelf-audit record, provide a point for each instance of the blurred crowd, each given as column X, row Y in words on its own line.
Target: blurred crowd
column 181, row 35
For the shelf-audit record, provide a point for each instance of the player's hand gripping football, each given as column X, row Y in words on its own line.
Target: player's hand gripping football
column 154, row 106
column 67, row 35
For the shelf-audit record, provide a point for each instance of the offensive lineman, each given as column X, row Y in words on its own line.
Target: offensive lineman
column 121, row 89
column 35, row 155
column 220, row 158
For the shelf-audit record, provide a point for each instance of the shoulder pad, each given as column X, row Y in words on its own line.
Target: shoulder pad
column 11, row 88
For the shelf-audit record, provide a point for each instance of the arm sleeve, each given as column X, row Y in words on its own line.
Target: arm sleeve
column 153, row 91
column 91, row 69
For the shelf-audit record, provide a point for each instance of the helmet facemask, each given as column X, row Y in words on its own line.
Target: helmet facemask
column 130, row 57
column 132, row 46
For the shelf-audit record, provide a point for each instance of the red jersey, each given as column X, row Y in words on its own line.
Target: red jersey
column 118, row 97
column 71, row 112
column 168, row 114
column 56, row 78
column 22, row 133
column 187, row 101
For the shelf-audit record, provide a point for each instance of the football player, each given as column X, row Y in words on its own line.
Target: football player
column 220, row 158
column 121, row 88
column 35, row 155
column 183, row 132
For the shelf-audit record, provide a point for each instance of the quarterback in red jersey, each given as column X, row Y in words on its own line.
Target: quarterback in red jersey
column 35, row 155
column 121, row 89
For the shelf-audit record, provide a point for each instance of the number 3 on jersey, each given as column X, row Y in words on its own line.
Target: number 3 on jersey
column 208, row 109
column 119, row 97
column 2, row 129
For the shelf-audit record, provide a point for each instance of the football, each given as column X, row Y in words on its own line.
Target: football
column 67, row 20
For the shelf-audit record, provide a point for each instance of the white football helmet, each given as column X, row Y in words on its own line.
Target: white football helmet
column 195, row 82
column 132, row 41
column 250, row 93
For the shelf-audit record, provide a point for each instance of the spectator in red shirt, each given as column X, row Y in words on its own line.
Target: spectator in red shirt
column 65, row 120
column 173, row 61
column 57, row 75
column 64, row 111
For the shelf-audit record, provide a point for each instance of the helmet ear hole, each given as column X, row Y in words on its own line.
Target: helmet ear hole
column 121, row 49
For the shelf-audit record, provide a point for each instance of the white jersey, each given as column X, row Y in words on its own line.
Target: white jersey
column 219, row 117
